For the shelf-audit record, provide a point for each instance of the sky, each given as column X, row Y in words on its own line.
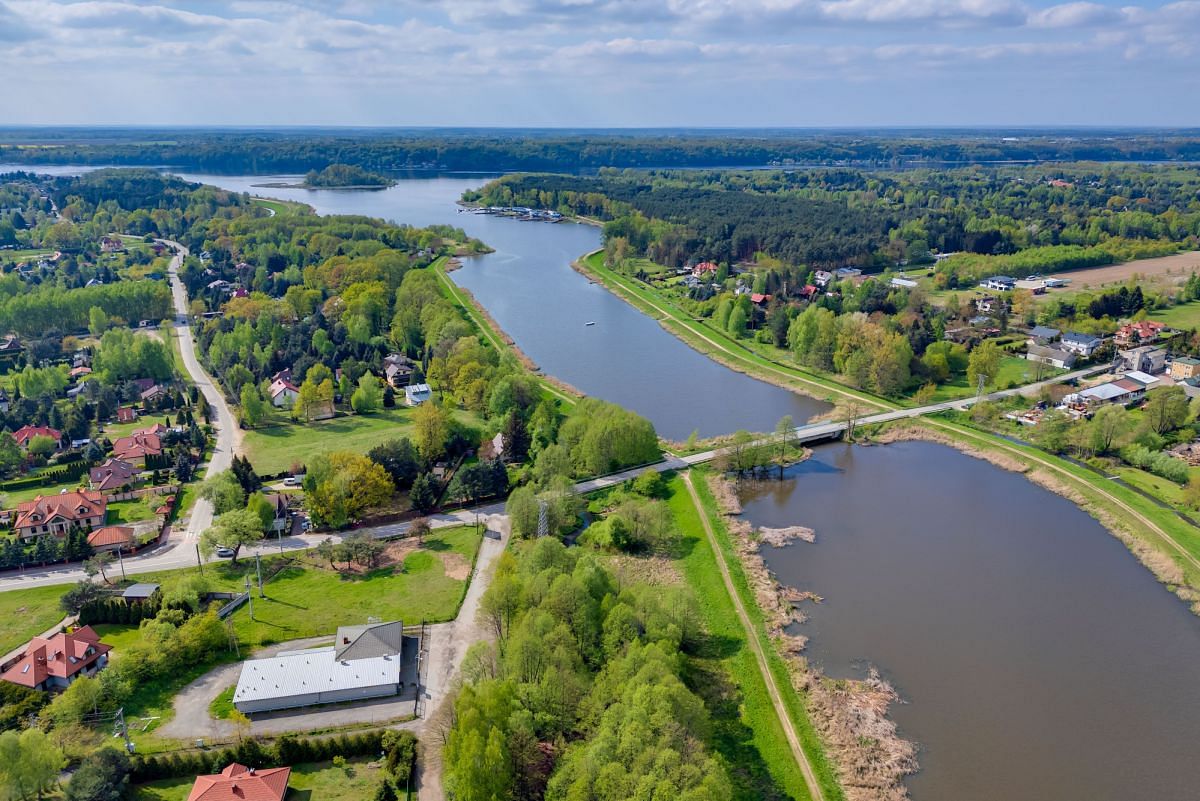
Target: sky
column 600, row 63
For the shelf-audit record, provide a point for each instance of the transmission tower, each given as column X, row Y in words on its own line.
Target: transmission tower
column 543, row 519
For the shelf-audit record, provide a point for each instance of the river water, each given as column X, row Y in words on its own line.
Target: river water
column 1036, row 658
column 528, row 286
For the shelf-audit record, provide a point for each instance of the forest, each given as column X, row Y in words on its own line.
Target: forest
column 264, row 152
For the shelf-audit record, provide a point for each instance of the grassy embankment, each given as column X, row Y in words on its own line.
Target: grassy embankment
column 318, row 781
column 281, row 206
column 304, row 600
column 720, row 346
column 753, row 740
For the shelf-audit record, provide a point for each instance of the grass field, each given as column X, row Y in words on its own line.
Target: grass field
column 274, row 449
column 1184, row 316
column 313, row 781
column 747, row 731
column 131, row 511
column 27, row 613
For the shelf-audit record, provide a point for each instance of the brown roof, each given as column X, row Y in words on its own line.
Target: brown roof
column 240, row 783
column 71, row 506
column 137, row 445
column 112, row 474
column 62, row 655
column 111, row 535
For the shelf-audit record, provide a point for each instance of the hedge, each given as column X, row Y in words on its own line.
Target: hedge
column 287, row 750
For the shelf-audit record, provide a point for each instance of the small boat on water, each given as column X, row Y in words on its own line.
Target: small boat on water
column 590, row 322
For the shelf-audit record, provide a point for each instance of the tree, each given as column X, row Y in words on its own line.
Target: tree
column 233, row 530
column 10, row 453
column 98, row 564
column 342, row 486
column 432, row 427
column 83, row 593
column 420, row 529
column 424, row 493
column 224, row 491
column 368, row 397
column 102, row 776
column 984, row 361
column 244, row 472
column 29, row 763
column 98, row 321
column 262, row 508
column 1166, row 409
column 253, row 407
column 399, row 458
column 42, row 445
column 1107, row 425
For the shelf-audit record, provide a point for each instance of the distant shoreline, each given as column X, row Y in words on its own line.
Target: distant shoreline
column 357, row 187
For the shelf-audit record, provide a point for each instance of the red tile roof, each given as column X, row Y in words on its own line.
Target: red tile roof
column 758, row 297
column 61, row 656
column 71, row 506
column 111, row 535
column 138, row 445
column 25, row 433
column 240, row 783
column 704, row 267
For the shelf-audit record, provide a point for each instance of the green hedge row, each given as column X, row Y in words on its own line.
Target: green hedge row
column 287, row 750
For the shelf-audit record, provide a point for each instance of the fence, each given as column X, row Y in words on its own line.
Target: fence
column 165, row 489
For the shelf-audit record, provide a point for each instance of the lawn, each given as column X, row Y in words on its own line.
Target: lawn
column 747, row 731
column 1185, row 315
column 312, row 781
column 1014, row 371
column 131, row 511
column 11, row 498
column 274, row 449
column 26, row 613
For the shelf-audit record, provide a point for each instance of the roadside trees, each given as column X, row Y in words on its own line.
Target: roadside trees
column 224, row 491
column 233, row 530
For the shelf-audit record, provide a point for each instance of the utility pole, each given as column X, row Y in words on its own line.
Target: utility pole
column 122, row 563
column 120, row 718
column 249, row 598
column 258, row 569
column 199, row 561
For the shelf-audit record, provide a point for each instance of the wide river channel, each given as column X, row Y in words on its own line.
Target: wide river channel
column 1037, row 660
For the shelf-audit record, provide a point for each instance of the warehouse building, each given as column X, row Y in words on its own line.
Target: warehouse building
column 364, row 662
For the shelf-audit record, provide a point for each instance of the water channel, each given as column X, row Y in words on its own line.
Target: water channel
column 1037, row 660
column 530, row 289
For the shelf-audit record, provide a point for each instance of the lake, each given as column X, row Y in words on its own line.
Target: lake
column 1036, row 658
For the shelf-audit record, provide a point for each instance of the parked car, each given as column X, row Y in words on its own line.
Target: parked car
column 225, row 553
column 293, row 481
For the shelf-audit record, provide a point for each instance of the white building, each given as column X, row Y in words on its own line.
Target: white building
column 417, row 394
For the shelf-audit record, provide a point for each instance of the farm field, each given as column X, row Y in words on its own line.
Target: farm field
column 1178, row 264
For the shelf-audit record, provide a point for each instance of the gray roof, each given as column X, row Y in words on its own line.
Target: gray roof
column 1104, row 392
column 140, row 591
column 1075, row 336
column 315, row 671
column 1043, row 332
column 371, row 640
column 1066, row 357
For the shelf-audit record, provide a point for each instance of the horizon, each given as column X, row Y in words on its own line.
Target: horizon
column 602, row 64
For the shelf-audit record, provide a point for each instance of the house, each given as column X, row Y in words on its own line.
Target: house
column 492, row 448
column 112, row 475
column 24, row 434
column 1147, row 359
column 1055, row 357
column 111, row 245
column 143, row 384
column 220, row 285
column 903, row 283
column 153, row 393
column 283, row 514
column 283, row 393
column 808, row 292
column 241, row 292
column 1184, row 367
column 822, row 278
column 1141, row 378
column 844, row 273
column 1101, row 394
column 397, row 370
column 240, row 783
column 1132, row 334
column 79, row 372
column 989, row 304
column 52, row 663
column 112, row 538
column 127, row 414
column 283, row 375
column 705, row 269
column 10, row 344
column 1080, row 344
column 1042, row 335
column 364, row 662
column 138, row 446
column 417, row 394
column 759, row 299
column 999, row 283
column 58, row 514
column 139, row 593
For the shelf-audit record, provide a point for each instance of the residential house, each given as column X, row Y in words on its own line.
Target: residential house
column 1055, row 357
column 417, row 394
column 113, row 475
column 903, row 283
column 808, row 292
column 10, row 344
column 26, row 433
column 283, row 375
column 1042, row 335
column 1080, row 344
column 397, row 370
column 79, row 372
column 283, row 393
column 822, row 278
column 844, row 273
column 705, row 269
column 112, row 538
column 240, row 783
column 364, row 662
column 138, row 446
column 759, row 299
column 152, row 394
column 143, row 384
column 1147, row 359
column 989, row 304
column 1184, row 367
column 127, row 414
column 58, row 514
column 52, row 663
column 110, row 244
column 1132, row 334
column 281, row 510
column 999, row 283
column 492, row 448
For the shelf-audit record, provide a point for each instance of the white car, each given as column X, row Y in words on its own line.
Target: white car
column 293, row 481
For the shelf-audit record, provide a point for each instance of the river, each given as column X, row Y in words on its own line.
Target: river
column 1036, row 658
column 530, row 289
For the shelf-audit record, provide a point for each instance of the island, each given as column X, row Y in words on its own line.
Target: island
column 346, row 176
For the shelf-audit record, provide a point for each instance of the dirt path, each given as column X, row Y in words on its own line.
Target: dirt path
column 785, row 720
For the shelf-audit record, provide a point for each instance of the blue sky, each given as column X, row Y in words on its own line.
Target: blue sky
column 602, row 63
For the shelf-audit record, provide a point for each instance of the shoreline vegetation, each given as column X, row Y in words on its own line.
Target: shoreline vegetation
column 849, row 715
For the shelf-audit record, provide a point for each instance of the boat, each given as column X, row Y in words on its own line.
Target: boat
column 590, row 322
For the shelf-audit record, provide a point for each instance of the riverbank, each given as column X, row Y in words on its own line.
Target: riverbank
column 850, row 716
column 716, row 346
column 1163, row 543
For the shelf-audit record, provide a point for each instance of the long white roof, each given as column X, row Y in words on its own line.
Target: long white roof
column 313, row 671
